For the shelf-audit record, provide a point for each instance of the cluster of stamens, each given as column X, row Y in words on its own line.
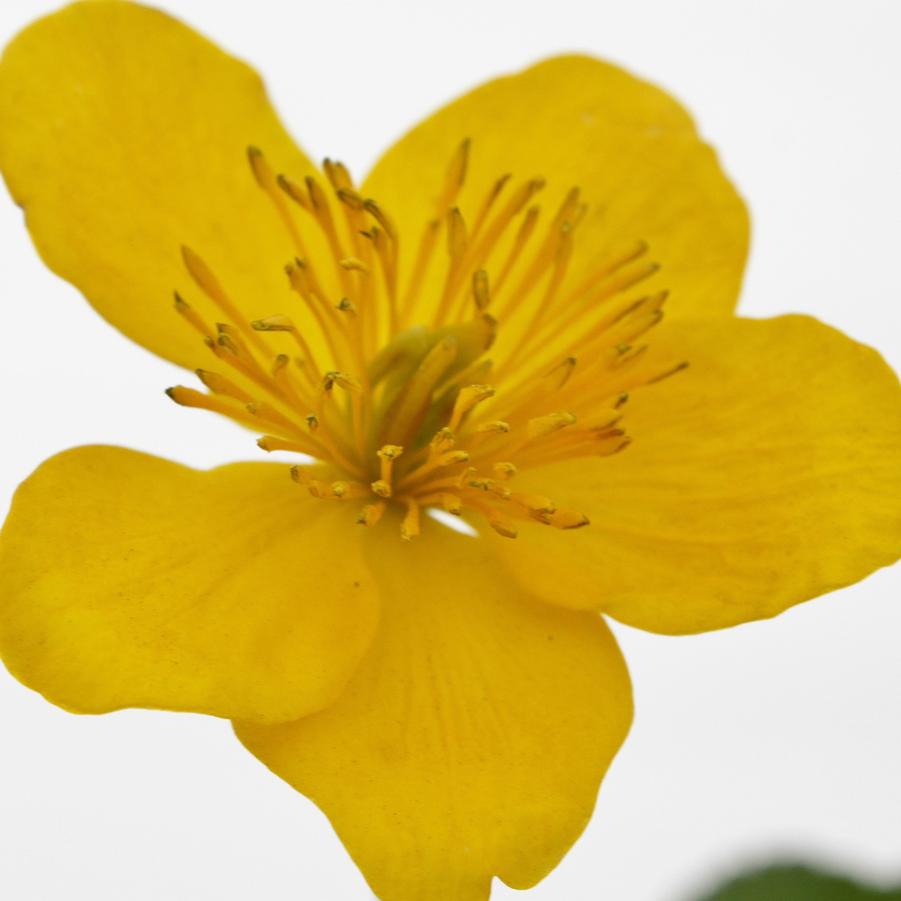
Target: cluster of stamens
column 390, row 389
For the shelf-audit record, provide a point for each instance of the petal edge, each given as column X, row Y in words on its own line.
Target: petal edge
column 130, row 581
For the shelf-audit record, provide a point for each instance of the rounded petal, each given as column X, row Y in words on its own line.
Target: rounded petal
column 474, row 736
column 124, row 136
column 767, row 473
column 578, row 122
column 130, row 581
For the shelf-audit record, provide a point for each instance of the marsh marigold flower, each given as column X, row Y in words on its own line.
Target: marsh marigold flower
column 478, row 327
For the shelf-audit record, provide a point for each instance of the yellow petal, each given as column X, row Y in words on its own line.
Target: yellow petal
column 130, row 581
column 124, row 134
column 767, row 473
column 630, row 147
column 473, row 738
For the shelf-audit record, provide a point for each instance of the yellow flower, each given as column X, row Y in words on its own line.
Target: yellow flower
column 475, row 338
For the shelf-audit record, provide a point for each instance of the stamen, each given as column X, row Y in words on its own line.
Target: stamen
column 480, row 292
column 498, row 425
column 284, row 324
column 567, row 519
column 191, row 316
column 522, row 237
column 337, row 175
column 219, row 384
column 294, row 191
column 466, row 400
column 385, row 396
column 387, row 455
column 409, row 528
column 504, row 469
column 206, row 281
column 491, row 197
column 456, row 174
column 546, row 425
column 275, row 190
column 371, row 513
column 450, row 503
column 188, row 397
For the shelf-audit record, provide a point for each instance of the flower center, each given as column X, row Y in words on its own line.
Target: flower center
column 382, row 374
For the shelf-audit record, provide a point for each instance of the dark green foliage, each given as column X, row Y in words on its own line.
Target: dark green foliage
column 794, row 882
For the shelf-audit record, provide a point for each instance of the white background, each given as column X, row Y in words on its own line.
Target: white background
column 773, row 738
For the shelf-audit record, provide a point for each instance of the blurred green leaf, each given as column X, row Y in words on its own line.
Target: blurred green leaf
column 793, row 882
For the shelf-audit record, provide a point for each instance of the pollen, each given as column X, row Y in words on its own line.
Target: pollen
column 433, row 369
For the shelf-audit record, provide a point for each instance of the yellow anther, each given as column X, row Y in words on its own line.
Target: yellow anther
column 456, row 171
column 381, row 487
column 300, row 474
column 452, row 458
column 667, row 373
column 567, row 519
column 278, row 323
column 501, row 525
column 467, row 398
column 260, row 168
column 316, row 194
column 184, row 309
column 351, row 198
column 312, row 421
column 233, row 409
column 451, row 503
column 371, row 514
column 442, row 442
column 602, row 421
column 230, row 342
column 190, row 397
column 342, row 380
column 319, row 489
column 208, row 283
column 535, row 503
column 547, row 425
column 389, row 452
column 271, row 443
column 480, row 291
column 338, row 490
column 379, row 214
column 456, row 234
column 504, row 470
column 560, row 374
column 298, row 277
column 353, row 264
column 630, row 355
column 219, row 384
column 337, row 174
column 267, row 412
column 409, row 527
column 480, row 483
column 345, row 490
column 294, row 191
column 498, row 425
column 346, row 305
